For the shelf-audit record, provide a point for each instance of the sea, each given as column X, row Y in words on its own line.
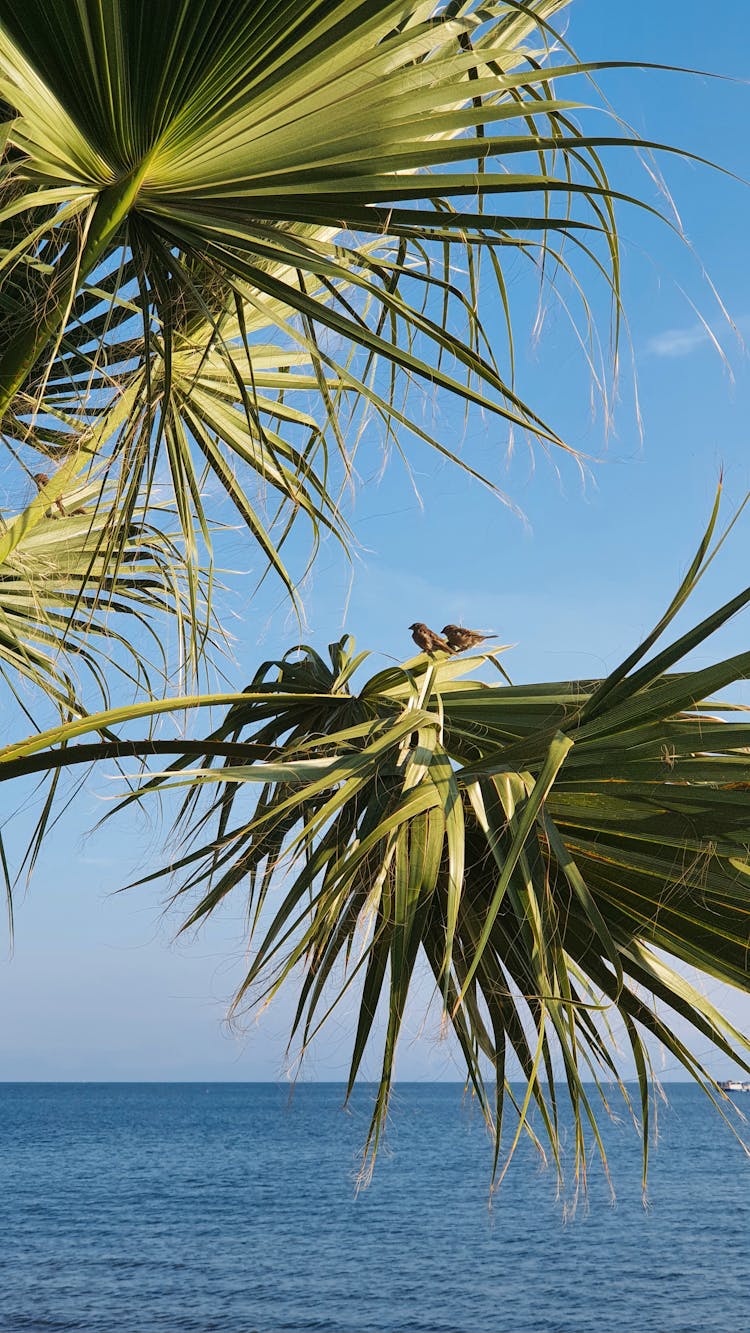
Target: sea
column 236, row 1206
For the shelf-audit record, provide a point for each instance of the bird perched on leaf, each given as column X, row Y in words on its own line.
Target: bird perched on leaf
column 427, row 639
column 42, row 480
column 459, row 639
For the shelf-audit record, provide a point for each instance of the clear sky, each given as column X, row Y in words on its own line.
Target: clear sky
column 97, row 987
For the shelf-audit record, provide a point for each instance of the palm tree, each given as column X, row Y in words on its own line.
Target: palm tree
column 230, row 241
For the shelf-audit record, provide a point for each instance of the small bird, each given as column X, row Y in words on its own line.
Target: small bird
column 42, row 480
column 427, row 639
column 459, row 639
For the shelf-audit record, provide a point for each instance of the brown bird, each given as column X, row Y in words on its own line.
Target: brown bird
column 459, row 639
column 41, row 480
column 427, row 639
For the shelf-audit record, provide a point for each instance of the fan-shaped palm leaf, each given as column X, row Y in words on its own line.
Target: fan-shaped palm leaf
column 181, row 179
column 65, row 603
column 550, row 851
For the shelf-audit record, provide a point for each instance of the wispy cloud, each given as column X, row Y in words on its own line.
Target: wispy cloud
column 678, row 342
column 683, row 342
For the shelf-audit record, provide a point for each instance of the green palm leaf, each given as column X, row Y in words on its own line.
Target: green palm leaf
column 68, row 610
column 223, row 214
column 553, row 853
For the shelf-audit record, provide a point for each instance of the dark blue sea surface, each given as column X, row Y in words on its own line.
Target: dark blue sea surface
column 231, row 1207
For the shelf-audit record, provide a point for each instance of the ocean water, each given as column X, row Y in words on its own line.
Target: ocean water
column 229, row 1207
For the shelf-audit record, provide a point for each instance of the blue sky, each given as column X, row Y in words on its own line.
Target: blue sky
column 97, row 987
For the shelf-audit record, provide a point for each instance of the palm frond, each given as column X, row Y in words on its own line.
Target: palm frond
column 262, row 226
column 555, row 854
column 68, row 611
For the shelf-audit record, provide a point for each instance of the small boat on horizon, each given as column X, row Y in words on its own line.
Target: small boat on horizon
column 733, row 1085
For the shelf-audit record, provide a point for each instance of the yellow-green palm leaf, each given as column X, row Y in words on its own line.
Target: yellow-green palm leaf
column 197, row 180
column 69, row 608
